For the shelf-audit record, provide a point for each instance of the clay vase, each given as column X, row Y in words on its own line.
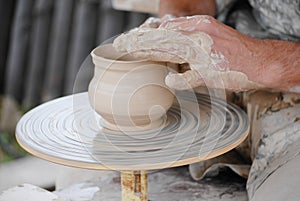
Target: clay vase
column 129, row 94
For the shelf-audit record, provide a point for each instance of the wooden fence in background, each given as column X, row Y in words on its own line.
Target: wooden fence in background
column 44, row 42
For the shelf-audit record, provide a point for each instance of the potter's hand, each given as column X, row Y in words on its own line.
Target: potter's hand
column 214, row 59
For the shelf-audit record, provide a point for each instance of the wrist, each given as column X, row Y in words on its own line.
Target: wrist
column 278, row 64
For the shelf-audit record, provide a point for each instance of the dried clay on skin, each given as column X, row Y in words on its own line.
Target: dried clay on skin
column 295, row 89
column 154, row 22
column 178, row 24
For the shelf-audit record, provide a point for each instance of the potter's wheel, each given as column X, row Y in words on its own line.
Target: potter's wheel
column 68, row 131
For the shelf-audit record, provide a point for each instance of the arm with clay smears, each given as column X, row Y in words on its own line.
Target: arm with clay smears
column 180, row 8
column 169, row 9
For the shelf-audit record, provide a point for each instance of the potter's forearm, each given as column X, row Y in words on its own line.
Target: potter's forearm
column 187, row 7
column 280, row 65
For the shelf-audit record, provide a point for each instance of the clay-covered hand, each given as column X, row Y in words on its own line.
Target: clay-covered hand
column 215, row 52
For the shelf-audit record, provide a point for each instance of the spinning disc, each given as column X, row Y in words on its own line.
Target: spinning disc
column 68, row 131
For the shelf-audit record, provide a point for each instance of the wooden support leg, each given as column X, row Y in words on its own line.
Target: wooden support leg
column 134, row 186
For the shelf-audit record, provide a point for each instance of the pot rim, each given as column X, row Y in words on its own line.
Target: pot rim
column 118, row 55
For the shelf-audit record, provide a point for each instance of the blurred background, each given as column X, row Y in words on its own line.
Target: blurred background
column 42, row 46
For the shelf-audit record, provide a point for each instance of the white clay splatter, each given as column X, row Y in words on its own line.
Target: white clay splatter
column 201, row 19
column 206, row 21
column 154, row 22
column 219, row 61
column 173, row 24
column 295, row 89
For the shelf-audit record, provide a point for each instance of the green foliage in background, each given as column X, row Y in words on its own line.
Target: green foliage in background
column 9, row 148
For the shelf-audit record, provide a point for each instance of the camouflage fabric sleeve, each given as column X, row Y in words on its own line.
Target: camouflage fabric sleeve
column 281, row 18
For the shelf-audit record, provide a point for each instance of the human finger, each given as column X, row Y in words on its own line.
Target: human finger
column 154, row 22
column 203, row 23
column 189, row 23
column 166, row 45
column 181, row 81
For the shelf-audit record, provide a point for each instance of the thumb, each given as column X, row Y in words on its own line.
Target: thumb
column 181, row 81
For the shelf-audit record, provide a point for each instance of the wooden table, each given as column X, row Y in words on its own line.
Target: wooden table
column 68, row 131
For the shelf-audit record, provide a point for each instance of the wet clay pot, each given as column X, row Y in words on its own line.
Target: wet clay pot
column 129, row 94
